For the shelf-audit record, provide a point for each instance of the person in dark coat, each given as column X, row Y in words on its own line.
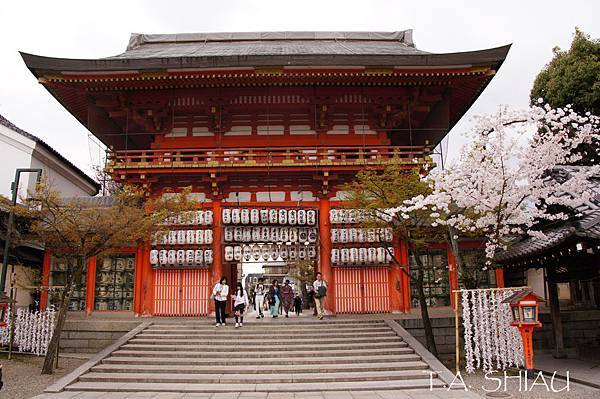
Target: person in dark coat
column 287, row 297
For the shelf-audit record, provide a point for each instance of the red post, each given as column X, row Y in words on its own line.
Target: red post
column 90, row 285
column 395, row 280
column 325, row 253
column 405, row 279
column 138, row 280
column 45, row 279
column 217, row 266
column 147, row 278
column 526, row 336
column 500, row 278
column 453, row 276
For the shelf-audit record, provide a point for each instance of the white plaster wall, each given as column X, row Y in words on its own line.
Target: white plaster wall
column 15, row 152
column 535, row 280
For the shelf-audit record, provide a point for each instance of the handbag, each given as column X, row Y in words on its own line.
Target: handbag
column 321, row 291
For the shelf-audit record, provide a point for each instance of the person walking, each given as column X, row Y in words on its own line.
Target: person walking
column 320, row 287
column 275, row 298
column 287, row 297
column 240, row 302
column 259, row 297
column 219, row 294
column 298, row 304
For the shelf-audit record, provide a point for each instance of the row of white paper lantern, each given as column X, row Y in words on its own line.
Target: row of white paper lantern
column 270, row 234
column 185, row 237
column 181, row 257
column 290, row 217
column 269, row 252
column 357, row 215
column 202, row 218
column 361, row 235
column 361, row 256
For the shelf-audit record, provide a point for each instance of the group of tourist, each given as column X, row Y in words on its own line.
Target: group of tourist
column 276, row 299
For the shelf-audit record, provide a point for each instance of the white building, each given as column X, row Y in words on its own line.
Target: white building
column 20, row 149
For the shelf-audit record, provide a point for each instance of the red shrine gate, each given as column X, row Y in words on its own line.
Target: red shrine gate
column 274, row 121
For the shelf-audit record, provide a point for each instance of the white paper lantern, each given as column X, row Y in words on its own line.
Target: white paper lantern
column 353, row 256
column 199, row 237
column 237, row 253
column 352, row 235
column 335, row 256
column 172, row 237
column 228, row 253
column 264, row 234
column 226, row 216
column 189, row 256
column 283, row 252
column 245, row 216
column 312, row 252
column 303, row 235
column 388, row 255
column 264, row 216
column 372, row 255
column 256, row 234
column 360, row 235
column 164, row 238
column 312, row 235
column 154, row 257
column 256, row 252
column 362, row 256
column 283, row 234
column 190, row 237
column 274, row 234
column 274, row 248
column 302, row 251
column 389, row 235
column 333, row 216
column 335, row 235
column 208, row 218
column 292, row 217
column 301, row 217
column 228, row 234
column 235, row 216
column 293, row 252
column 180, row 218
column 311, row 217
column 208, row 237
column 343, row 236
column 254, row 216
column 247, row 234
column 247, row 252
column 180, row 237
column 208, row 256
column 198, row 256
column 273, row 216
column 381, row 255
column 282, row 217
column 345, row 256
column 200, row 218
column 163, row 257
column 180, row 257
column 264, row 252
column 238, row 234
column 293, row 234
column 371, row 235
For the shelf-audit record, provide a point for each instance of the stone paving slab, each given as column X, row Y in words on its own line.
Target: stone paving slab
column 390, row 394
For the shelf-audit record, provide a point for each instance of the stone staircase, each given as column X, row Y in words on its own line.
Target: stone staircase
column 264, row 356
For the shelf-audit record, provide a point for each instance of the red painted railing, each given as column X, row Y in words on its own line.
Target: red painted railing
column 269, row 156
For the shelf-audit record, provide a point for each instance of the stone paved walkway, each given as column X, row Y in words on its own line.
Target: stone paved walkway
column 391, row 394
column 579, row 370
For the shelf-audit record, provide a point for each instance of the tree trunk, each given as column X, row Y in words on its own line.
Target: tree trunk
column 455, row 249
column 49, row 360
column 427, row 327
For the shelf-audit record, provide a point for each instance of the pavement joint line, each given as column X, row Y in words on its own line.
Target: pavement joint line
column 68, row 379
column 436, row 365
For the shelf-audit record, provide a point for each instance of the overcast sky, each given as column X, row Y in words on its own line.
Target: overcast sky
column 93, row 29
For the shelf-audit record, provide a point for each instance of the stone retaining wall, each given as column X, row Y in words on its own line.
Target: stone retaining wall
column 91, row 336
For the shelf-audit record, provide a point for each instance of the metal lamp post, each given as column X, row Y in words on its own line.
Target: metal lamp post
column 11, row 216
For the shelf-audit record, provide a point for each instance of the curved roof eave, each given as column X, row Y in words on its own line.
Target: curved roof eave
column 494, row 57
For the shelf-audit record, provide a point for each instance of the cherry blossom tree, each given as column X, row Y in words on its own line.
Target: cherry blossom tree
column 500, row 182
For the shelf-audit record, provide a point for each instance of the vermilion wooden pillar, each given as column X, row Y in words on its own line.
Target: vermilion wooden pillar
column 147, row 291
column 138, row 280
column 325, row 253
column 395, row 281
column 217, row 266
column 500, row 278
column 90, row 287
column 405, row 281
column 45, row 280
column 452, row 275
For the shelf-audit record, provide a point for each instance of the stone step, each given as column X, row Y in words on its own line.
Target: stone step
column 266, row 346
column 276, row 356
column 253, row 361
column 260, row 368
column 281, row 378
column 265, row 332
column 282, row 320
column 268, row 326
column 425, row 383
column 259, row 341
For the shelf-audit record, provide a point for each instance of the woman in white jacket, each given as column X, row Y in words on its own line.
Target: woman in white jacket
column 240, row 301
column 220, row 293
